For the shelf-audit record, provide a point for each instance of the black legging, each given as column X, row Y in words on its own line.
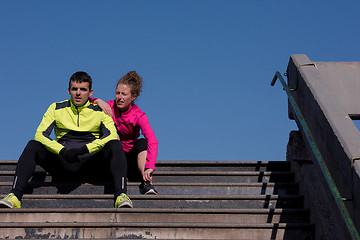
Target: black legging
column 111, row 158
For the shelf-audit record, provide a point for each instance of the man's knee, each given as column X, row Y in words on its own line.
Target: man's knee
column 113, row 145
column 34, row 150
column 34, row 146
column 113, row 150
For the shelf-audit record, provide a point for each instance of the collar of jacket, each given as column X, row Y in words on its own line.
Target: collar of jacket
column 77, row 109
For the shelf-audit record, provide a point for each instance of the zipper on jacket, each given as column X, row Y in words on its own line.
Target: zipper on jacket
column 78, row 120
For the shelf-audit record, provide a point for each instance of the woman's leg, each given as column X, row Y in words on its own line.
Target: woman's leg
column 145, row 173
column 141, row 160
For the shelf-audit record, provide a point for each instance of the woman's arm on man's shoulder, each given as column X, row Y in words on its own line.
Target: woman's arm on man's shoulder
column 103, row 105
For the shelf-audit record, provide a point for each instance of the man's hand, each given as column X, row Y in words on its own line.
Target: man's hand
column 72, row 154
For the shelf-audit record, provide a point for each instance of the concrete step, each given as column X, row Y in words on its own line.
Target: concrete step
column 220, row 166
column 198, row 200
column 115, row 230
column 186, row 176
column 153, row 215
column 263, row 166
column 165, row 201
column 162, row 188
column 222, row 176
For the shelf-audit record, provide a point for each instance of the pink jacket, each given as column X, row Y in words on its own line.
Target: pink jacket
column 129, row 124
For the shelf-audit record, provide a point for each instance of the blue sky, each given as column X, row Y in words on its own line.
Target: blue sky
column 207, row 66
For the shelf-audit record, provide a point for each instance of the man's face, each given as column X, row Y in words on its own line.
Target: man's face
column 79, row 92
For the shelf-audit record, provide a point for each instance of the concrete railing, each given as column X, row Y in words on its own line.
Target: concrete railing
column 327, row 96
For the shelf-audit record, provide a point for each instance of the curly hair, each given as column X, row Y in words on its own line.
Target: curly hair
column 134, row 81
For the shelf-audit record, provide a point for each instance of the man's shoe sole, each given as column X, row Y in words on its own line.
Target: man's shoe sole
column 125, row 205
column 5, row 205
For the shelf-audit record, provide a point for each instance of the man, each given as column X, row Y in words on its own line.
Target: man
column 85, row 138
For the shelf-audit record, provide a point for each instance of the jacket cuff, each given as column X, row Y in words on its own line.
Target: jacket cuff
column 149, row 165
column 62, row 151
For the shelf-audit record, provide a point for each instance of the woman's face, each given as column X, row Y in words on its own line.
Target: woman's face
column 123, row 96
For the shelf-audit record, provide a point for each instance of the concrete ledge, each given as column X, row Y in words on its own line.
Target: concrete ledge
column 319, row 96
column 157, row 231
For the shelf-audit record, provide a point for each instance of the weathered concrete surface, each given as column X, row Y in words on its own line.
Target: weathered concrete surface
column 343, row 79
column 233, row 213
column 316, row 193
column 152, row 231
column 327, row 93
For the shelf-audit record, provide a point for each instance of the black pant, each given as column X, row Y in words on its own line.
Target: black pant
column 132, row 163
column 111, row 158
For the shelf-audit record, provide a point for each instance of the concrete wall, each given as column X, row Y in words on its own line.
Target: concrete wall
column 327, row 93
column 315, row 190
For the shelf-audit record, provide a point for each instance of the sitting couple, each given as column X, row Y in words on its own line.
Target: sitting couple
column 87, row 140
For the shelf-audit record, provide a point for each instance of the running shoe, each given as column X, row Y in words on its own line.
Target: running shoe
column 148, row 188
column 10, row 201
column 123, row 201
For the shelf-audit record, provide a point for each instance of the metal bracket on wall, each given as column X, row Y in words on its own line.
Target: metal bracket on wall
column 353, row 160
column 306, row 64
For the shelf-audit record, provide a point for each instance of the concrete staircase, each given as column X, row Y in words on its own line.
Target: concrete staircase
column 197, row 200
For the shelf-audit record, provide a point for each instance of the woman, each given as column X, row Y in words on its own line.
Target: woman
column 129, row 120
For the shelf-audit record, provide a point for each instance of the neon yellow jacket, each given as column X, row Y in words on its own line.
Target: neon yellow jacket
column 75, row 127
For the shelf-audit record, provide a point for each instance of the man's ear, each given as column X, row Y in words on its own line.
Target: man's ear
column 69, row 91
column 91, row 92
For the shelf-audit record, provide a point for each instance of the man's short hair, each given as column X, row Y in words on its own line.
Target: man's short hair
column 81, row 77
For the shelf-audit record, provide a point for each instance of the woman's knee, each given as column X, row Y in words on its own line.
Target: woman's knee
column 141, row 144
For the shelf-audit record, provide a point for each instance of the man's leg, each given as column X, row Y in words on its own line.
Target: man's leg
column 111, row 161
column 33, row 152
column 114, row 154
column 26, row 166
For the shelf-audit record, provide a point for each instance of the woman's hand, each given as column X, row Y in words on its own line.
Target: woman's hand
column 104, row 106
column 147, row 175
